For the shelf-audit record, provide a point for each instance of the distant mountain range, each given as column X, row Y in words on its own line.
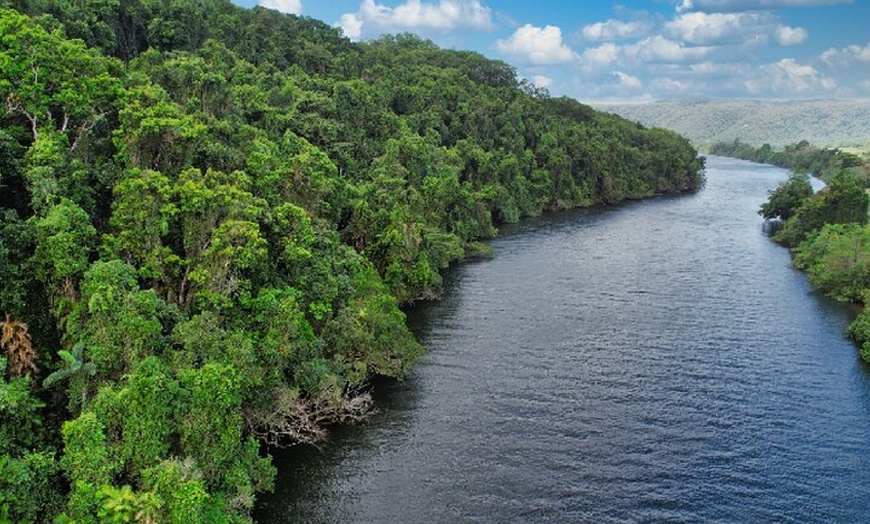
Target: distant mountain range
column 830, row 123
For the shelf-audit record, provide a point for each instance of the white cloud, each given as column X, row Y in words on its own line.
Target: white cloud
column 738, row 5
column 661, row 49
column 847, row 56
column 710, row 69
column 351, row 25
column 685, row 5
column 787, row 36
column 446, row 15
column 705, row 28
column 602, row 55
column 789, row 77
column 614, row 30
column 537, row 45
column 293, row 7
column 628, row 81
column 669, row 86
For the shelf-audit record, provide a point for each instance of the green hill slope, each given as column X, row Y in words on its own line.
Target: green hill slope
column 834, row 123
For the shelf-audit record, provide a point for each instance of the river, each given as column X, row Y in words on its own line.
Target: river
column 657, row 361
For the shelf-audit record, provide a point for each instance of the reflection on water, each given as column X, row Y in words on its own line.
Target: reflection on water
column 652, row 362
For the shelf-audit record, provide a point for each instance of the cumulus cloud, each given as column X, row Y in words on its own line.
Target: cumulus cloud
column 786, row 35
column 293, row 7
column 847, row 56
column 537, row 45
column 789, row 77
column 445, row 15
column 710, row 69
column 660, row 49
column 602, row 55
column 685, row 5
column 614, row 30
column 351, row 25
column 628, row 81
column 669, row 86
column 739, row 5
column 707, row 28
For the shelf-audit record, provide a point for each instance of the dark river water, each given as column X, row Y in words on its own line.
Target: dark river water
column 658, row 361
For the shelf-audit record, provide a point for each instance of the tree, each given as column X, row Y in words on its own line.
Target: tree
column 837, row 260
column 155, row 133
column 788, row 196
column 77, row 371
column 51, row 81
column 87, row 464
column 844, row 201
column 118, row 323
column 142, row 209
column 64, row 239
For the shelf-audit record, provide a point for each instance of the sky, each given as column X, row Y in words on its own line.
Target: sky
column 636, row 50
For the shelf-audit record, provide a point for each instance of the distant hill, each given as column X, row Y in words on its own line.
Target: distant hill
column 831, row 123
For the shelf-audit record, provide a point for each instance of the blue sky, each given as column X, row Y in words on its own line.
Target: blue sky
column 598, row 51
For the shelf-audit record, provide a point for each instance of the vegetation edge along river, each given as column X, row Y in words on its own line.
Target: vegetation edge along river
column 827, row 232
column 210, row 216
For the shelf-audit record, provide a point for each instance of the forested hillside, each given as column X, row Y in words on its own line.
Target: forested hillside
column 209, row 217
column 828, row 123
column 801, row 157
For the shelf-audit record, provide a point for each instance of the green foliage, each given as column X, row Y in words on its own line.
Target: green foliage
column 154, row 132
column 13, row 273
column 787, row 198
column 29, row 490
column 86, row 458
column 837, row 260
column 180, row 487
column 149, row 403
column 859, row 330
column 365, row 331
column 21, row 422
column 216, row 228
column 75, row 370
column 827, row 234
column 142, row 209
column 122, row 505
column 844, row 201
column 64, row 240
column 211, row 430
column 118, row 323
column 801, row 157
column 51, row 81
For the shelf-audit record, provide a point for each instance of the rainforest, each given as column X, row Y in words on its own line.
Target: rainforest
column 210, row 219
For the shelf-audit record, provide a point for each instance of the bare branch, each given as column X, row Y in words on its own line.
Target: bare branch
column 292, row 419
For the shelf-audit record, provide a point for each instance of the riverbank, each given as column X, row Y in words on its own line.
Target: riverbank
column 656, row 360
column 827, row 235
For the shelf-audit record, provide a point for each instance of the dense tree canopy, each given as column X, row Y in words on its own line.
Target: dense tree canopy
column 210, row 217
column 801, row 157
